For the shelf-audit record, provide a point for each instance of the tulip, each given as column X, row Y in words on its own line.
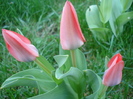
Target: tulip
column 19, row 46
column 70, row 32
column 113, row 74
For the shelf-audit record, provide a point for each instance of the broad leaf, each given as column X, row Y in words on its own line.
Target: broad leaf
column 80, row 60
column 101, row 33
column 68, row 62
column 92, row 17
column 75, row 78
column 94, row 81
column 43, row 61
column 124, row 18
column 105, row 10
column 44, row 65
column 126, row 4
column 61, row 59
column 31, row 77
column 62, row 91
column 94, row 23
column 73, row 72
column 116, row 12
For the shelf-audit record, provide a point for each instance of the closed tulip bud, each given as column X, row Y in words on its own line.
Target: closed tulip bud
column 19, row 46
column 113, row 74
column 71, row 36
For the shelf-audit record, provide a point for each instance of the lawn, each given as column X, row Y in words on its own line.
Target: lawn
column 39, row 20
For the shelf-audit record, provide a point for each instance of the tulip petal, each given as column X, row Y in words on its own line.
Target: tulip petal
column 77, row 23
column 115, row 59
column 14, row 34
column 21, row 54
column 70, row 33
column 19, row 46
column 113, row 75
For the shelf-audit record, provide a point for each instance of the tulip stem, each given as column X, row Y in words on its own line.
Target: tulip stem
column 73, row 56
column 103, row 91
column 43, row 67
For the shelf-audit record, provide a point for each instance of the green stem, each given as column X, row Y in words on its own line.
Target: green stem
column 103, row 91
column 73, row 56
column 41, row 65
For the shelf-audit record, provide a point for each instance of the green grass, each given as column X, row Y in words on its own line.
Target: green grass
column 39, row 21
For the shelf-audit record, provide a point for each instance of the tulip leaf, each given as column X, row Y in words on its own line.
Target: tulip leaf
column 62, row 62
column 75, row 78
column 105, row 10
column 94, row 81
column 80, row 60
column 124, row 18
column 68, row 62
column 92, row 17
column 62, row 91
column 112, row 25
column 101, row 33
column 126, row 4
column 72, row 72
column 94, row 23
column 116, row 12
column 43, row 61
column 61, row 59
column 30, row 77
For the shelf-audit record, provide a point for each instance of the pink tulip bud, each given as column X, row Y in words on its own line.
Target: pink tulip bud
column 113, row 74
column 19, row 46
column 70, row 33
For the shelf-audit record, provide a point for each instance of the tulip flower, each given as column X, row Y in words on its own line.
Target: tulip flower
column 70, row 32
column 113, row 74
column 19, row 46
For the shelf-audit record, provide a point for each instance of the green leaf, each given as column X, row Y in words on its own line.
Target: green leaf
column 124, row 18
column 61, row 59
column 126, row 4
column 94, row 81
column 105, row 10
column 101, row 33
column 113, row 25
column 62, row 91
column 80, row 60
column 95, row 25
column 68, row 62
column 116, row 12
column 30, row 77
column 72, row 72
column 44, row 65
column 92, row 17
column 74, row 77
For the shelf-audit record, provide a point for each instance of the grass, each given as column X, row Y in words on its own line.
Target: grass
column 39, row 21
